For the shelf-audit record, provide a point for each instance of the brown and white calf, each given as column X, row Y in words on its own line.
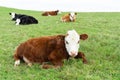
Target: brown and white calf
column 50, row 13
column 52, row 49
column 71, row 17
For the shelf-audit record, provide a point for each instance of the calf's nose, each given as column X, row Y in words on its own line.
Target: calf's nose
column 73, row 53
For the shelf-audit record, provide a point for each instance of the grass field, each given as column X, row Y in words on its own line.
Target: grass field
column 102, row 48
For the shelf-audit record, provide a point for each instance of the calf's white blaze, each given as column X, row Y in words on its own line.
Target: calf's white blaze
column 72, row 16
column 13, row 15
column 72, row 43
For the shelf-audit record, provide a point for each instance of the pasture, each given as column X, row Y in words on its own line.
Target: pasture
column 102, row 48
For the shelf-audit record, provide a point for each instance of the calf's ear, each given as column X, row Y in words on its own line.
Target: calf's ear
column 83, row 36
column 57, row 10
column 9, row 13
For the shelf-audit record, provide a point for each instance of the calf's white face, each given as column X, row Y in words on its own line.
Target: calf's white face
column 72, row 43
column 13, row 15
column 72, row 16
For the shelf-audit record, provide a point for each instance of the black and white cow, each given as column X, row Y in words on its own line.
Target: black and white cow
column 23, row 19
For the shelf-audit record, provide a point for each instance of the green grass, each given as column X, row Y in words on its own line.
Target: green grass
column 102, row 48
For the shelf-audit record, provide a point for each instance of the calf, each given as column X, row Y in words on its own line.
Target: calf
column 71, row 17
column 52, row 49
column 23, row 19
column 50, row 13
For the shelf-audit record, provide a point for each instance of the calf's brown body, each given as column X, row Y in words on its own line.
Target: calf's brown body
column 50, row 13
column 66, row 18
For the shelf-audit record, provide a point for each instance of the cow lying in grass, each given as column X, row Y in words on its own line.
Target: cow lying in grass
column 23, row 19
column 71, row 17
column 50, row 13
column 52, row 49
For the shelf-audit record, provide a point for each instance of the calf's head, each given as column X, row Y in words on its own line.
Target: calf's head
column 13, row 15
column 72, row 16
column 57, row 11
column 72, row 40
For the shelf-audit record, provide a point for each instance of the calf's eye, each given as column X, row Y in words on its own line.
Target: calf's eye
column 66, row 42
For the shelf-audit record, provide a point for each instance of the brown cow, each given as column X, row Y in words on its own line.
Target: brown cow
column 50, row 13
column 52, row 49
column 71, row 17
